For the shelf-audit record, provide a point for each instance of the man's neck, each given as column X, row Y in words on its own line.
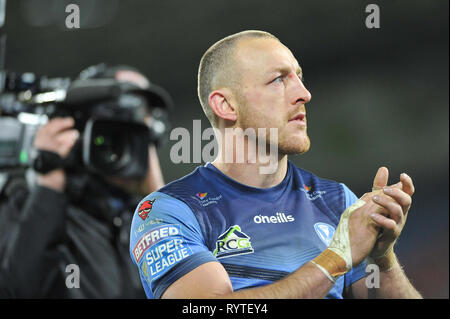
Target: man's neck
column 250, row 173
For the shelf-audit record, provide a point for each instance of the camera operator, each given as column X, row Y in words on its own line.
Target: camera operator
column 68, row 235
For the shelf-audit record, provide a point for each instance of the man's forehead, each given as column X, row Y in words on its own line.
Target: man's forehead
column 266, row 55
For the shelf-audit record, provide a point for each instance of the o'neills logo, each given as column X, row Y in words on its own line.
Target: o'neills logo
column 274, row 219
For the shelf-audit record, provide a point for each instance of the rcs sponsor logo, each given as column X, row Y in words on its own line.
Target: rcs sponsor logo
column 232, row 242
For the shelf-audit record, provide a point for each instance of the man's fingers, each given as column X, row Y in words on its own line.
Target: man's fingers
column 389, row 228
column 65, row 141
column 381, row 178
column 367, row 196
column 68, row 136
column 399, row 185
column 394, row 209
column 384, row 222
column 400, row 197
column 408, row 186
column 373, row 207
column 58, row 124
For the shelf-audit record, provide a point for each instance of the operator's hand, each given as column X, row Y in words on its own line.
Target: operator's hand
column 56, row 136
column 397, row 201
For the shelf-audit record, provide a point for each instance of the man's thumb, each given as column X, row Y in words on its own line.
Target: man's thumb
column 381, row 178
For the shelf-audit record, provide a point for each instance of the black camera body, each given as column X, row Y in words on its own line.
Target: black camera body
column 117, row 121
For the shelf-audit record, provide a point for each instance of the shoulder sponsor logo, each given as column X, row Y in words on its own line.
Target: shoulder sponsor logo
column 274, row 219
column 139, row 229
column 163, row 255
column 148, row 223
column 201, row 195
column 205, row 200
column 162, row 248
column 232, row 242
column 310, row 194
column 325, row 232
column 145, row 208
column 152, row 237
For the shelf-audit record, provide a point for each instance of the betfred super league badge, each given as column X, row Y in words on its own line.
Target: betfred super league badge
column 145, row 208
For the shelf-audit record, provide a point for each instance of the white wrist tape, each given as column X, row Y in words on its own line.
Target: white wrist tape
column 340, row 243
column 336, row 260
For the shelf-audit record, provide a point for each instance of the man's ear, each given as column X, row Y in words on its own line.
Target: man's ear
column 219, row 101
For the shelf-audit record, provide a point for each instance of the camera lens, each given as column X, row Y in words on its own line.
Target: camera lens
column 111, row 150
column 116, row 147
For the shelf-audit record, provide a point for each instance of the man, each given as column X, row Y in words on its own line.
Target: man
column 68, row 236
column 229, row 231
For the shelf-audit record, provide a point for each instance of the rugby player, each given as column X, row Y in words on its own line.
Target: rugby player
column 228, row 231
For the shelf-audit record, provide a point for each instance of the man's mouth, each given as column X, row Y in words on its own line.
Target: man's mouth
column 299, row 118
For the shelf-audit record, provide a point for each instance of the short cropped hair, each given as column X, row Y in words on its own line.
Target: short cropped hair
column 215, row 66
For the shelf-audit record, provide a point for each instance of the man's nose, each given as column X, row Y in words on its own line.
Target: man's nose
column 299, row 92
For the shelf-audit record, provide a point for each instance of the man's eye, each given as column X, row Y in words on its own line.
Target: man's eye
column 278, row 79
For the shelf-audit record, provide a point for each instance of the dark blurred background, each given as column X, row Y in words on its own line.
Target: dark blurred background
column 380, row 96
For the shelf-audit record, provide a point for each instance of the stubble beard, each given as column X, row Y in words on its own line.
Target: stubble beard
column 289, row 147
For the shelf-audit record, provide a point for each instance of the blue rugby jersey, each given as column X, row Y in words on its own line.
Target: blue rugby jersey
column 259, row 235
